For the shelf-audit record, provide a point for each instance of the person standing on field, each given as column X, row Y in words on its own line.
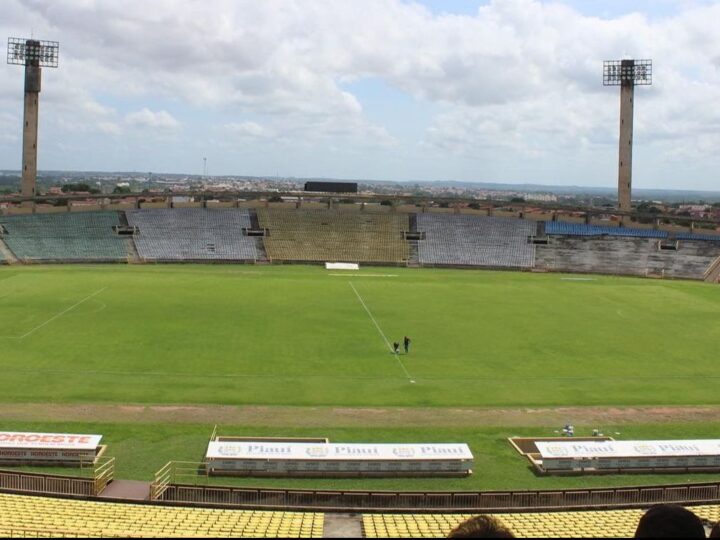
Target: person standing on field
column 406, row 342
column 396, row 347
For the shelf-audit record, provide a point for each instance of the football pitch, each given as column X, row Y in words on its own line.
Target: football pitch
column 302, row 335
column 153, row 356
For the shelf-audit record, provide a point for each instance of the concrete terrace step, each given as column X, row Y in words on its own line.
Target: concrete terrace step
column 8, row 255
column 343, row 526
column 127, row 490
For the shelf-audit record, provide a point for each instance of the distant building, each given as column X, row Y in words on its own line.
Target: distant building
column 542, row 197
column 332, row 187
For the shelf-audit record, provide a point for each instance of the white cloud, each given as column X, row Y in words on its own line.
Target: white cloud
column 519, row 77
column 145, row 118
column 251, row 130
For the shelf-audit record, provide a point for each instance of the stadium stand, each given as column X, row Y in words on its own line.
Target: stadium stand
column 578, row 229
column 626, row 256
column 588, row 524
column 335, row 236
column 22, row 515
column 192, row 234
column 350, row 235
column 689, row 261
column 82, row 236
column 476, row 241
column 698, row 237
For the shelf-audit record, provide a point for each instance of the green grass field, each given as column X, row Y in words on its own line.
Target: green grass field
column 302, row 336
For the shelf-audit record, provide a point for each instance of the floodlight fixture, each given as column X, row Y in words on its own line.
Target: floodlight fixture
column 34, row 54
column 626, row 74
column 619, row 72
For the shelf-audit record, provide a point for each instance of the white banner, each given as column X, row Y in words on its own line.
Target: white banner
column 338, row 452
column 342, row 266
column 627, row 449
column 55, row 441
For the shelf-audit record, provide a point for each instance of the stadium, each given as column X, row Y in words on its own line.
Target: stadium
column 518, row 327
column 205, row 361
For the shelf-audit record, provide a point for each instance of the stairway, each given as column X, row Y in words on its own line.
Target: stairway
column 259, row 243
column 342, row 526
column 133, row 255
column 413, row 256
column 8, row 255
column 262, row 254
column 540, row 229
column 254, row 221
column 712, row 274
column 127, row 490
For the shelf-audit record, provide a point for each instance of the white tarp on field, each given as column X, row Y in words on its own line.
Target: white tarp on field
column 342, row 266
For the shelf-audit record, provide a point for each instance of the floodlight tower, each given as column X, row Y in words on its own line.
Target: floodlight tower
column 626, row 74
column 34, row 55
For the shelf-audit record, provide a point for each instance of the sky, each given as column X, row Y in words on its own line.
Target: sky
column 490, row 91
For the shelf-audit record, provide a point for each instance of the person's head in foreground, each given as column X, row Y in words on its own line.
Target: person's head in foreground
column 715, row 533
column 481, row 527
column 669, row 521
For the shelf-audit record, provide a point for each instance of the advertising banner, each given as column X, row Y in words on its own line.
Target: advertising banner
column 339, row 452
column 627, row 449
column 63, row 441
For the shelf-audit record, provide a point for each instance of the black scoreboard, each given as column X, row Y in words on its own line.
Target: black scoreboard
column 332, row 187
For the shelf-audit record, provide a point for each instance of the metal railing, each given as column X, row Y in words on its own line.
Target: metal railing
column 161, row 482
column 713, row 271
column 167, row 490
column 39, row 483
column 92, row 479
column 176, row 473
column 103, row 474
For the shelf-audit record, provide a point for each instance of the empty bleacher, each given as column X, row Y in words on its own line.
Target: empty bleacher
column 335, row 236
column 698, row 237
column 476, row 241
column 626, row 256
column 565, row 228
column 347, row 234
column 587, row 524
column 192, row 234
column 72, row 237
column 690, row 261
column 22, row 515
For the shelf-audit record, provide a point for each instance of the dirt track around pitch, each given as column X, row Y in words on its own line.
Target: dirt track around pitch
column 262, row 416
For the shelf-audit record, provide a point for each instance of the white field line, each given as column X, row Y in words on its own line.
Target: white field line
column 387, row 342
column 38, row 327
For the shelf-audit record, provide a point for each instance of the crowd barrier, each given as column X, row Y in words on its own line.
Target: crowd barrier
column 475, row 502
column 46, row 484
column 99, row 475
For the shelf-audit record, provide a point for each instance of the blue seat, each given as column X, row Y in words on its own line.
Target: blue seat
column 563, row 228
